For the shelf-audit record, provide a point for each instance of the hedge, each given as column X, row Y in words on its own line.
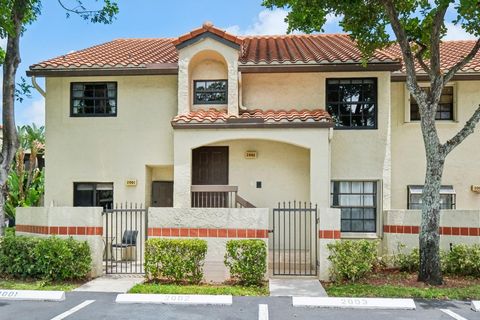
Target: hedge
column 175, row 259
column 51, row 259
column 352, row 259
column 247, row 260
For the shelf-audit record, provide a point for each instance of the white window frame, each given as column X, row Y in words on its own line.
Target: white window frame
column 424, row 84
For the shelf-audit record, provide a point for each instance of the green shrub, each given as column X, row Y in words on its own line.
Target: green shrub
column 462, row 260
column 63, row 259
column 175, row 259
column 352, row 259
column 17, row 257
column 49, row 258
column 408, row 262
column 10, row 231
column 247, row 260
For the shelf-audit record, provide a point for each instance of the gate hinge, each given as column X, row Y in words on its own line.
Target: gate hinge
column 318, row 263
column 318, row 220
column 270, row 231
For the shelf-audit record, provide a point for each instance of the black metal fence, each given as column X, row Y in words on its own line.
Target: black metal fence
column 294, row 239
column 125, row 232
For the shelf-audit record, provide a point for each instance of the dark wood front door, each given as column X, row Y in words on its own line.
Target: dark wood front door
column 162, row 194
column 210, row 166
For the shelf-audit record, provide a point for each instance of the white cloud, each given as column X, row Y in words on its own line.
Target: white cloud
column 3, row 43
column 455, row 32
column 33, row 113
column 267, row 22
column 272, row 22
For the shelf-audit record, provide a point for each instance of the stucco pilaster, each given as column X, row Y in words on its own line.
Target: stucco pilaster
column 183, row 87
column 233, row 87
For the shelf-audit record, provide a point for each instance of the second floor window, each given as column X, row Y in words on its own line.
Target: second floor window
column 445, row 106
column 210, row 92
column 352, row 103
column 97, row 99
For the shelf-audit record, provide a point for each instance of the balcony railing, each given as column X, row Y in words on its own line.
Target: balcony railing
column 218, row 196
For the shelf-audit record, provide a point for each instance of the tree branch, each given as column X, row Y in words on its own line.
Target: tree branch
column 419, row 56
column 408, row 58
column 75, row 10
column 467, row 130
column 438, row 21
column 449, row 75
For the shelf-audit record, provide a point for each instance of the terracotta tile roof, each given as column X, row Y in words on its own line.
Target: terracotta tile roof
column 315, row 48
column 266, row 50
column 117, row 53
column 207, row 27
column 450, row 52
column 215, row 116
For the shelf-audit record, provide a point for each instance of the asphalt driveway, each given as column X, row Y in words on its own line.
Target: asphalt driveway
column 104, row 307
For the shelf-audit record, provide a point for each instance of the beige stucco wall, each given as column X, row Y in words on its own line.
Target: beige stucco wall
column 65, row 217
column 283, row 169
column 206, row 218
column 408, row 156
column 207, row 50
column 314, row 140
column 108, row 149
column 355, row 154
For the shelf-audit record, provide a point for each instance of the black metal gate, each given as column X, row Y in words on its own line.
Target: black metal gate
column 294, row 237
column 125, row 232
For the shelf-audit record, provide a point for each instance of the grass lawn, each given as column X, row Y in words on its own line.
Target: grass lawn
column 394, row 284
column 234, row 290
column 36, row 285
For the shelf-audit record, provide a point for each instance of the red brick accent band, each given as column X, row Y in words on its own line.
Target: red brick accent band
column 61, row 230
column 329, row 234
column 207, row 233
column 447, row 231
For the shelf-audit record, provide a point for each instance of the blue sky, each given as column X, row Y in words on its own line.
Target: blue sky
column 53, row 34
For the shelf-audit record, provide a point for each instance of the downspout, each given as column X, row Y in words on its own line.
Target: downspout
column 240, row 99
column 330, row 134
column 36, row 86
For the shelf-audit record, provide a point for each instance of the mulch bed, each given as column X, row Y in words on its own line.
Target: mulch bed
column 395, row 277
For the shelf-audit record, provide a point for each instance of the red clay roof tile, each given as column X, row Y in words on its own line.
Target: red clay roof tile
column 268, row 116
column 283, row 49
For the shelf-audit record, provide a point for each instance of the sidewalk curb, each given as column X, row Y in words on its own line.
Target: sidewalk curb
column 182, row 299
column 354, row 303
column 31, row 295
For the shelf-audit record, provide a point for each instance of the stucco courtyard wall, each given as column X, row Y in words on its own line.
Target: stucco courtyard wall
column 108, row 149
column 215, row 225
column 80, row 223
column 403, row 226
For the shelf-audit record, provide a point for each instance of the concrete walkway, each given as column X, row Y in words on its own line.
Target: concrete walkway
column 111, row 283
column 283, row 287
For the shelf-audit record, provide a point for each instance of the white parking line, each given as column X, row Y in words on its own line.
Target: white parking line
column 263, row 312
column 453, row 314
column 73, row 310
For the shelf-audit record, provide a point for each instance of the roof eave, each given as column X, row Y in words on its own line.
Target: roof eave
column 154, row 69
column 461, row 76
column 322, row 67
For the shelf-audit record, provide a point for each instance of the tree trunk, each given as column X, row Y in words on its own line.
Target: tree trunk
column 430, row 269
column 10, row 138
